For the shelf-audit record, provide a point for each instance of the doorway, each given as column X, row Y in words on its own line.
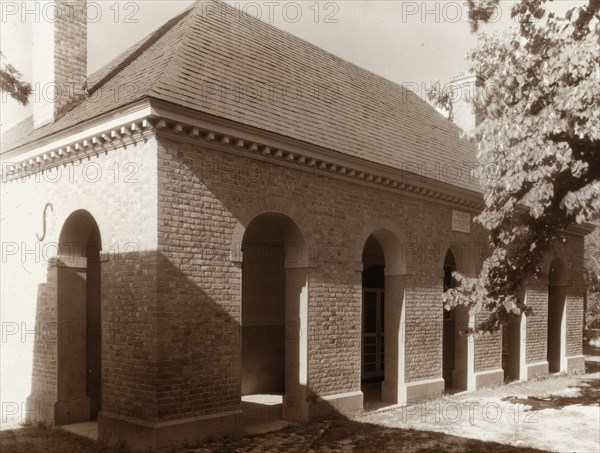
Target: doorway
column 455, row 343
column 274, row 316
column 373, row 325
column 557, row 292
column 79, row 315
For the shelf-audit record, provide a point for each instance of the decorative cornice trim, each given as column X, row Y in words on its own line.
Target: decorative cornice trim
column 102, row 123
column 97, row 141
column 194, row 128
column 146, row 119
column 182, row 132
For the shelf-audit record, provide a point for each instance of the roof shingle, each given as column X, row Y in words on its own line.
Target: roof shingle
column 242, row 69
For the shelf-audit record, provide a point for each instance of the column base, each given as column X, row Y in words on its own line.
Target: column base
column 576, row 364
column 331, row 406
column 40, row 409
column 423, row 390
column 163, row 436
column 537, row 369
column 489, row 378
column 392, row 392
column 73, row 411
column 295, row 408
column 44, row 409
column 461, row 380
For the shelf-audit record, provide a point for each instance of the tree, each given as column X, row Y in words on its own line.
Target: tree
column 592, row 278
column 11, row 83
column 442, row 98
column 541, row 134
column 592, row 261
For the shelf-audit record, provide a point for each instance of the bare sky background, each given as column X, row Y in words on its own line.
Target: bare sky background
column 401, row 40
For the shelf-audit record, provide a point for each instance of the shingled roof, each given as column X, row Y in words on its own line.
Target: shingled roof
column 231, row 65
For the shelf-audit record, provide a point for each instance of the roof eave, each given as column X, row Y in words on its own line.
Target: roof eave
column 149, row 116
column 131, row 112
column 334, row 161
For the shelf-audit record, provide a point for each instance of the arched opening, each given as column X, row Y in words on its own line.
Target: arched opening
column 382, row 348
column 454, row 343
column 511, row 351
column 373, row 315
column 513, row 346
column 79, row 315
column 274, row 311
column 557, row 291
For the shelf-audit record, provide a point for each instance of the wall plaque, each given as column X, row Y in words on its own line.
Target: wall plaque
column 461, row 221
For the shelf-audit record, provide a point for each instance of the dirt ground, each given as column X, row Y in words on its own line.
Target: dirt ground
column 557, row 413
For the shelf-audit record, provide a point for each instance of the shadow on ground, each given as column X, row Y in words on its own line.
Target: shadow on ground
column 589, row 395
column 42, row 438
column 592, row 367
column 343, row 435
column 590, row 350
column 339, row 435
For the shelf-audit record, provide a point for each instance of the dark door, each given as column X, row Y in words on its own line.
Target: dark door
column 93, row 382
column 373, row 341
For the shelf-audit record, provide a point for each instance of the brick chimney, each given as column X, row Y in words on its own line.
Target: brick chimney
column 464, row 114
column 59, row 63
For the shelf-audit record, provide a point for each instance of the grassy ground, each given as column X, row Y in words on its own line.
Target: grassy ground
column 558, row 413
column 42, row 439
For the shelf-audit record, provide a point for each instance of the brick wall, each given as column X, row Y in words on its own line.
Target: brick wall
column 70, row 54
column 423, row 327
column 537, row 324
column 44, row 353
column 334, row 325
column 171, row 292
column 573, row 249
column 571, row 252
column 574, row 324
column 488, row 349
column 119, row 189
column 204, row 193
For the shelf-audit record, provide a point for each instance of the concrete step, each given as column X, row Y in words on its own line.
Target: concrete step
column 84, row 429
column 262, row 408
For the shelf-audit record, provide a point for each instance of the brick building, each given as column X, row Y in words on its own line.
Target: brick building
column 229, row 211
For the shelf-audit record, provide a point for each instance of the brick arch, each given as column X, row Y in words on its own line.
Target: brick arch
column 462, row 259
column 80, row 225
column 252, row 210
column 79, row 300
column 553, row 254
column 57, row 218
column 389, row 235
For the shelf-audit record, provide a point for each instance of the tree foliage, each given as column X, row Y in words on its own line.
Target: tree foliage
column 442, row 97
column 541, row 135
column 592, row 261
column 11, row 83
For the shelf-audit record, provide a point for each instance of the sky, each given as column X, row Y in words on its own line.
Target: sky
column 411, row 42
